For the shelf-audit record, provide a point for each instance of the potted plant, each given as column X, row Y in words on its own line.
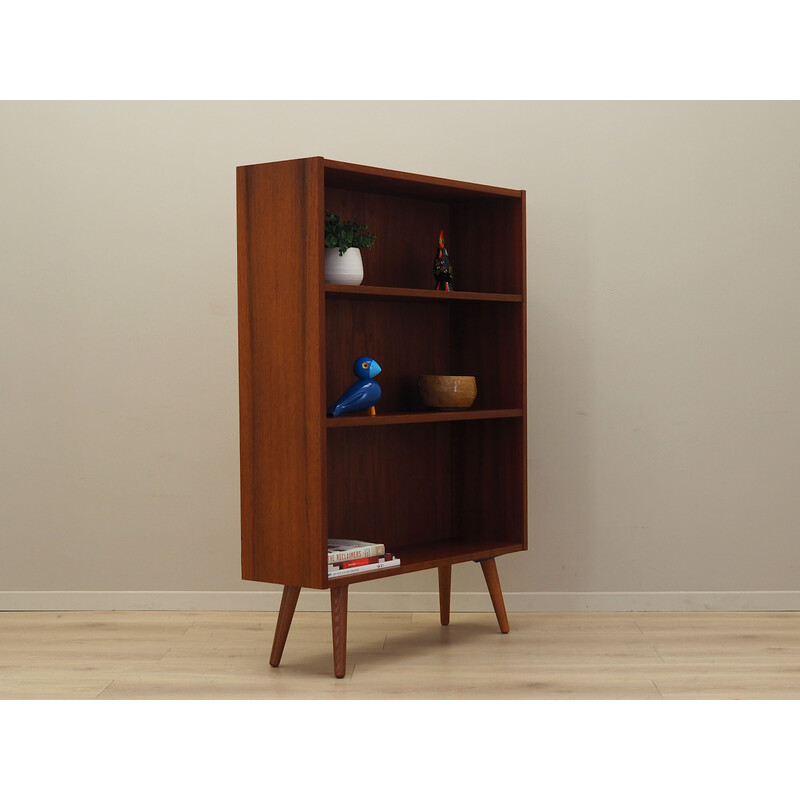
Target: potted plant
column 343, row 240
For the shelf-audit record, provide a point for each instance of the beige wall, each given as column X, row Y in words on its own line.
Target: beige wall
column 664, row 330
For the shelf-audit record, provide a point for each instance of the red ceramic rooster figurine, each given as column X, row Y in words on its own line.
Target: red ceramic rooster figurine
column 442, row 269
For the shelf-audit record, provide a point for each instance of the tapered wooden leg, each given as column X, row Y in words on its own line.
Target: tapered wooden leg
column 444, row 593
column 495, row 592
column 288, row 604
column 339, row 622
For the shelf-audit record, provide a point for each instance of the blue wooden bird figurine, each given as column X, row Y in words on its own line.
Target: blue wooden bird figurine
column 364, row 393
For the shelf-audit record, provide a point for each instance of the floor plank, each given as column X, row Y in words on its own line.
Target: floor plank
column 569, row 655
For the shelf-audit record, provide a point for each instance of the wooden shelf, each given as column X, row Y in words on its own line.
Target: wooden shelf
column 428, row 555
column 397, row 293
column 418, row 417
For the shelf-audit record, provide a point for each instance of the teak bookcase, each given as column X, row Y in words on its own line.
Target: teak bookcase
column 436, row 487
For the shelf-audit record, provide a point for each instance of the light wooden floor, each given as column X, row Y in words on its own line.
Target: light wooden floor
column 590, row 655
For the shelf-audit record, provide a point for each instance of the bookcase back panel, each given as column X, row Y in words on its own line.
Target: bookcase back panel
column 409, row 339
column 407, row 233
column 406, row 339
column 416, row 484
column 484, row 343
column 484, row 239
column 390, row 484
column 488, row 240
column 489, row 484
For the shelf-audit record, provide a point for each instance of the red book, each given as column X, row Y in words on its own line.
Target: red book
column 382, row 563
column 357, row 562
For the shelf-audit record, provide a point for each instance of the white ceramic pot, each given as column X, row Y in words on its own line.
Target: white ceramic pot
column 347, row 268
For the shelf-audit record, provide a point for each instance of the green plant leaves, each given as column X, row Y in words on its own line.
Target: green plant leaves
column 346, row 234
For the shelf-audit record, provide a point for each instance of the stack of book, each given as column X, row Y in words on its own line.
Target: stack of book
column 350, row 556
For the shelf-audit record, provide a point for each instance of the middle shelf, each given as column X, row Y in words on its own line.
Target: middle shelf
column 417, row 417
column 401, row 293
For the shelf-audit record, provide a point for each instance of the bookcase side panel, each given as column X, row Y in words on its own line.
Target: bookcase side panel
column 522, row 223
column 281, row 326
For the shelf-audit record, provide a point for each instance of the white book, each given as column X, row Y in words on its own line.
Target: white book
column 348, row 549
column 338, row 573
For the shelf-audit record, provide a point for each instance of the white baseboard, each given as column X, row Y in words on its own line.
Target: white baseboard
column 315, row 600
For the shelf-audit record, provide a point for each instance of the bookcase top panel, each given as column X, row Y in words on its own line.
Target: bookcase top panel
column 341, row 175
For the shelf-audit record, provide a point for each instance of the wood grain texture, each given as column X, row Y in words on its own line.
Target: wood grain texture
column 419, row 417
column 522, row 363
column 406, row 339
column 379, row 180
column 339, row 629
column 484, row 238
column 390, row 484
column 430, row 553
column 445, row 579
column 436, row 493
column 399, row 293
column 489, row 567
column 447, row 392
column 485, row 342
column 407, row 231
column 285, row 615
column 489, row 482
column 488, row 249
column 172, row 655
column 280, row 366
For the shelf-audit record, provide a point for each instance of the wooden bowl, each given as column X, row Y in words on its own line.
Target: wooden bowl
column 448, row 392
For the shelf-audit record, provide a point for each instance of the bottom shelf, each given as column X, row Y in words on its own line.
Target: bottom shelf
column 415, row 557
